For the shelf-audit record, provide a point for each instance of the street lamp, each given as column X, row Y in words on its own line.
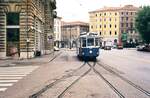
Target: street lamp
column 70, row 36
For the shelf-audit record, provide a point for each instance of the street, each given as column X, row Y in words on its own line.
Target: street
column 115, row 74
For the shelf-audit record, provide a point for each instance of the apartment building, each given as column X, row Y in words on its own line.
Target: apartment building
column 111, row 22
column 57, row 31
column 71, row 31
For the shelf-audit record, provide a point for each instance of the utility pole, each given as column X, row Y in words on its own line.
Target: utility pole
column 70, row 36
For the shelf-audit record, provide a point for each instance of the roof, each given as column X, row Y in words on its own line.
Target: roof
column 126, row 7
column 75, row 23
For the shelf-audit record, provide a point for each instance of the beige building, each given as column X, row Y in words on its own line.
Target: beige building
column 71, row 31
column 26, row 27
column 111, row 22
column 57, row 31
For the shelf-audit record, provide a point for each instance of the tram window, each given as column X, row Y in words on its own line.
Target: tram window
column 96, row 42
column 90, row 41
column 83, row 42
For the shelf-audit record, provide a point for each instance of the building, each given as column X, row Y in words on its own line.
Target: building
column 26, row 27
column 57, row 31
column 111, row 22
column 71, row 31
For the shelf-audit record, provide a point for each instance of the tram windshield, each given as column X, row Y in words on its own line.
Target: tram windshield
column 90, row 41
column 83, row 42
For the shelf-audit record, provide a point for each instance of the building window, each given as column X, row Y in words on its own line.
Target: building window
column 100, row 26
column 131, row 24
column 100, row 14
column 110, row 25
column 122, row 25
column 104, row 26
column 131, row 13
column 109, row 19
column 126, row 24
column 115, row 32
column 13, row 34
column 126, row 13
column 91, row 27
column 12, row 18
column 104, row 19
column 96, row 15
column 115, row 13
column 122, row 13
column 126, row 18
column 115, row 26
column 110, row 32
column 105, row 14
column 100, row 33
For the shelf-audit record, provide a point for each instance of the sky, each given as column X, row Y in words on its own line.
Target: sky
column 77, row 10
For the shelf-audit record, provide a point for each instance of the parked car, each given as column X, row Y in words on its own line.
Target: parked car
column 108, row 45
column 140, row 47
column 56, row 48
column 119, row 46
column 143, row 48
column 107, row 48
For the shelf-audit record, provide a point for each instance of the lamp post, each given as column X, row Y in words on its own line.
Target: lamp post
column 70, row 36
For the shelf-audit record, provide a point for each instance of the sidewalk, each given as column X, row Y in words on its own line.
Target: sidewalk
column 33, row 61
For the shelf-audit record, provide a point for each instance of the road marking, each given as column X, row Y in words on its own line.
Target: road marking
column 6, row 84
column 8, row 78
column 2, row 89
column 6, row 81
column 11, row 75
column 4, row 75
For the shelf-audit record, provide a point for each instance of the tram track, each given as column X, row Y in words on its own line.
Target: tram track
column 125, row 79
column 55, row 57
column 92, row 67
column 67, row 88
column 106, row 81
column 45, row 88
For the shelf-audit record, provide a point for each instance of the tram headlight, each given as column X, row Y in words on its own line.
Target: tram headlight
column 90, row 51
column 97, row 53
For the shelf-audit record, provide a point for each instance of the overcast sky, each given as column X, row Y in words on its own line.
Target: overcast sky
column 77, row 10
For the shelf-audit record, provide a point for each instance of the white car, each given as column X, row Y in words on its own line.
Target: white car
column 140, row 47
column 56, row 48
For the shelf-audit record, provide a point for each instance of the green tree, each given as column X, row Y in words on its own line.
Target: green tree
column 142, row 23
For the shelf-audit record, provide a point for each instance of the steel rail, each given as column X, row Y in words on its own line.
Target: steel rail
column 35, row 95
column 106, row 81
column 126, row 80
column 63, row 93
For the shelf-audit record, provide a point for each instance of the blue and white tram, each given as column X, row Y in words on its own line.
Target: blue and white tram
column 88, row 46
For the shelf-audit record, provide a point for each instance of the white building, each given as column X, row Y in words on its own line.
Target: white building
column 57, row 31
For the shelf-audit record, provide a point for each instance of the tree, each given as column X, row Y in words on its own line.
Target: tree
column 142, row 23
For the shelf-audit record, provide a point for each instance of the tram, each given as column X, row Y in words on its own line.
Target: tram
column 88, row 46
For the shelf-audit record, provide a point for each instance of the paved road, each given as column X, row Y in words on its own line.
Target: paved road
column 104, row 79
column 11, row 75
column 134, row 64
column 116, row 74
